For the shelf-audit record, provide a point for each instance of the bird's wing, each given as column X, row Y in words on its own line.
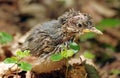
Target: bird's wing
column 39, row 43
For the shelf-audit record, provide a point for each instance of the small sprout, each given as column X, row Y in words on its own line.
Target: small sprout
column 5, row 37
column 88, row 55
column 66, row 53
column 17, row 60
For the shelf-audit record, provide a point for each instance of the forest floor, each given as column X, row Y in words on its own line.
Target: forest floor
column 17, row 17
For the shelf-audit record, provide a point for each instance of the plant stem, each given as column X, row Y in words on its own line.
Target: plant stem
column 67, row 65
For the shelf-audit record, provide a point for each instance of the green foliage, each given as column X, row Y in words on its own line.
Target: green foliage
column 92, row 72
column 105, row 23
column 115, row 71
column 109, row 46
column 86, row 36
column 11, row 60
column 23, row 54
column 74, row 46
column 88, row 55
column 17, row 60
column 66, row 53
column 25, row 66
column 5, row 37
column 56, row 57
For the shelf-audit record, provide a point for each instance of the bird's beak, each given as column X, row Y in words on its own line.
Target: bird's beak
column 93, row 29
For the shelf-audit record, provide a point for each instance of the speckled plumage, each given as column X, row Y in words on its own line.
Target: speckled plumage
column 47, row 38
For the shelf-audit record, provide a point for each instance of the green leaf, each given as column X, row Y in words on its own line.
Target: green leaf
column 89, row 55
column 86, row 36
column 108, row 23
column 115, row 71
column 91, row 71
column 5, row 37
column 25, row 66
column 64, row 53
column 26, row 53
column 74, row 46
column 11, row 60
column 56, row 57
column 23, row 54
column 69, row 53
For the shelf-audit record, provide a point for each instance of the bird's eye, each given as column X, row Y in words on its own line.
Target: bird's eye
column 80, row 25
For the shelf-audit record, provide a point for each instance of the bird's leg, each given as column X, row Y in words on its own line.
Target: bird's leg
column 57, row 49
column 60, row 48
column 77, row 38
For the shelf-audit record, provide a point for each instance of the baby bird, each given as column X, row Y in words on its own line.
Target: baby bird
column 46, row 39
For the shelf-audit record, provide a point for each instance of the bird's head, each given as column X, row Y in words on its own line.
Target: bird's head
column 76, row 22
